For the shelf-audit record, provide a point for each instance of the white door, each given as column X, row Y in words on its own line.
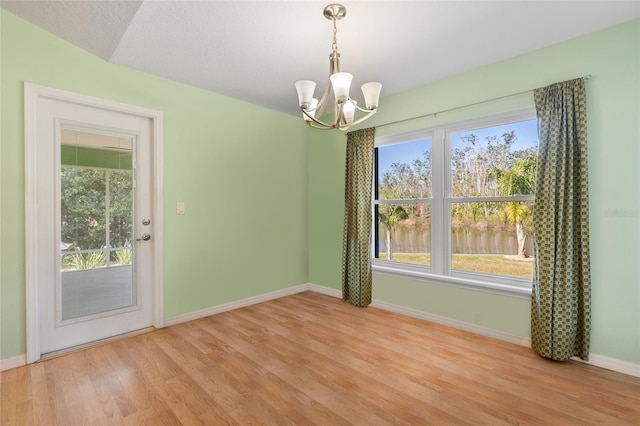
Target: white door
column 96, row 225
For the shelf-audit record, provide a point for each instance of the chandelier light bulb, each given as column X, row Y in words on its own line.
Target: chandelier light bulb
column 349, row 111
column 341, row 82
column 310, row 113
column 371, row 92
column 305, row 90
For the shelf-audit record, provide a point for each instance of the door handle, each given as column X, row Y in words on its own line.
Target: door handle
column 145, row 237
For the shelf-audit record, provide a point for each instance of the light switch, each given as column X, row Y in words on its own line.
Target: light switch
column 180, row 207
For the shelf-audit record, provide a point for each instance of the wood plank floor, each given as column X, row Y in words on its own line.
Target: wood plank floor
column 312, row 359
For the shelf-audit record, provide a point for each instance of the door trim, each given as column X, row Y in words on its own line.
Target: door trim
column 32, row 94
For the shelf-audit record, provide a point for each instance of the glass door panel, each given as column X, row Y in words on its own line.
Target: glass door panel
column 96, row 205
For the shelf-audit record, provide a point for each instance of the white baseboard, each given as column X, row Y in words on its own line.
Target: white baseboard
column 13, row 362
column 333, row 292
column 190, row 316
column 20, row 360
column 438, row 319
column 450, row 322
column 596, row 360
column 612, row 364
column 601, row 361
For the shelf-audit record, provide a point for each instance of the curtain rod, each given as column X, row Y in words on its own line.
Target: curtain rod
column 586, row 77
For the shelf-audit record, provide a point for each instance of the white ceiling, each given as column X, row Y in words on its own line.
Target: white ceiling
column 256, row 50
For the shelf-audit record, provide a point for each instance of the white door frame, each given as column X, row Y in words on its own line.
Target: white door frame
column 32, row 94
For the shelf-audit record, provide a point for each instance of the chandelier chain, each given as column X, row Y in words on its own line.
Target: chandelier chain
column 334, row 45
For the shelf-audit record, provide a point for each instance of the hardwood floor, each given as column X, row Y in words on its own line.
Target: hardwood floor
column 312, row 359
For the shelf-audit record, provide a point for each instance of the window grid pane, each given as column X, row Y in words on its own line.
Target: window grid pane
column 404, row 233
column 492, row 238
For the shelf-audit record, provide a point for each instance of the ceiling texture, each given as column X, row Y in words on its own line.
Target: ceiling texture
column 255, row 50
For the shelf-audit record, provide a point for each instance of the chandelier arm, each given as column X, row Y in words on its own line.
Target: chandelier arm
column 341, row 118
column 319, row 123
column 337, row 113
column 334, row 67
column 322, row 104
column 323, row 127
column 361, row 119
column 363, row 109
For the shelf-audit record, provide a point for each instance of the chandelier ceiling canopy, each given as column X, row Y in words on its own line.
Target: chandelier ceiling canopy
column 344, row 108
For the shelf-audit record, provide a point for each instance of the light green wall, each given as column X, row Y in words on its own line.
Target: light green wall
column 245, row 231
column 613, row 97
column 242, row 235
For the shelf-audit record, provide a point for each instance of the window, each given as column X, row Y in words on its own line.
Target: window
column 453, row 204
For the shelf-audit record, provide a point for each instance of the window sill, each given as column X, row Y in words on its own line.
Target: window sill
column 418, row 273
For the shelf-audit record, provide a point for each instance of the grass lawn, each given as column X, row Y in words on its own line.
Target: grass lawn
column 487, row 263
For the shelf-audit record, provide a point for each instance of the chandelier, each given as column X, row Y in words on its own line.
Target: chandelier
column 344, row 108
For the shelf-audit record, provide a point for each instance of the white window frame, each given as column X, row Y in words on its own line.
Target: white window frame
column 439, row 272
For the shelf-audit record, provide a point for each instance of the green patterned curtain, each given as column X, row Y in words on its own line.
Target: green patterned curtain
column 561, row 296
column 356, row 241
